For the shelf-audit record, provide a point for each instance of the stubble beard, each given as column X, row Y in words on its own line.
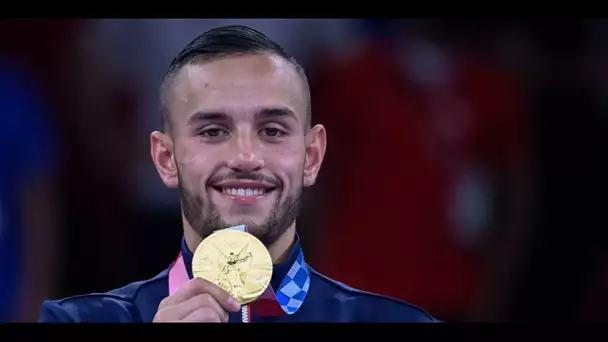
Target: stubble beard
column 204, row 218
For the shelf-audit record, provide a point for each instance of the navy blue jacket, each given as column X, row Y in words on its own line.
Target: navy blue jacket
column 327, row 301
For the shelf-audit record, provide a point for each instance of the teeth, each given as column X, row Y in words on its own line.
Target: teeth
column 243, row 192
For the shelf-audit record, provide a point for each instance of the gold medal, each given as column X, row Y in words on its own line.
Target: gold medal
column 236, row 261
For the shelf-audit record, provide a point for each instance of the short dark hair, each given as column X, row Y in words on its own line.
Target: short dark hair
column 220, row 42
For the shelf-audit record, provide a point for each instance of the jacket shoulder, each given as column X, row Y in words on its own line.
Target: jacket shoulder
column 136, row 302
column 372, row 307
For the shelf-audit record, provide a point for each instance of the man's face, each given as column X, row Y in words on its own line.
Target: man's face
column 239, row 145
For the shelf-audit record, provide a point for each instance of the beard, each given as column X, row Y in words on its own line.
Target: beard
column 204, row 217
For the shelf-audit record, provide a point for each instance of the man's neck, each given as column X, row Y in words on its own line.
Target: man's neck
column 279, row 250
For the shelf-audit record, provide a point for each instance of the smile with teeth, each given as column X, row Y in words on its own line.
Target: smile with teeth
column 243, row 191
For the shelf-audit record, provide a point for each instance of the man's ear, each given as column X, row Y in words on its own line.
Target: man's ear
column 161, row 148
column 316, row 142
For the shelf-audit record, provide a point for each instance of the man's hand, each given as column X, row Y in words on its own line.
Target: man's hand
column 198, row 301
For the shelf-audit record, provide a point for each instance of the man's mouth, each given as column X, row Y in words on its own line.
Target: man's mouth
column 244, row 191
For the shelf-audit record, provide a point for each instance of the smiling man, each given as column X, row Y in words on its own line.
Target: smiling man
column 239, row 146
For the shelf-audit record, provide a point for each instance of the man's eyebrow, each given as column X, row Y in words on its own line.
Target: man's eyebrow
column 261, row 114
column 278, row 112
column 207, row 116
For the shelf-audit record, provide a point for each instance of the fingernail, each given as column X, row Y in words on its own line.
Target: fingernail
column 234, row 303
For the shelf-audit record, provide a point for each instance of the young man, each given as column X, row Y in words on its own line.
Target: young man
column 236, row 114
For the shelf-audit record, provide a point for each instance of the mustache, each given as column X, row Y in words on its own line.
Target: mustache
column 258, row 177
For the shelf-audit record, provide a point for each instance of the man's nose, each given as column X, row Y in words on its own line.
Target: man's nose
column 245, row 158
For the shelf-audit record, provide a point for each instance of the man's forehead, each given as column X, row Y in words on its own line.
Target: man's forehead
column 236, row 84
column 235, row 68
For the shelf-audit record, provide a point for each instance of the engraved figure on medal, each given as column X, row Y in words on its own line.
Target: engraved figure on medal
column 233, row 270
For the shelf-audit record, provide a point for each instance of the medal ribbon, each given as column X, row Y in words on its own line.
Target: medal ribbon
column 287, row 300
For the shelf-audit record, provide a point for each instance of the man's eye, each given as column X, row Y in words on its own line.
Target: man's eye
column 213, row 133
column 272, row 132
